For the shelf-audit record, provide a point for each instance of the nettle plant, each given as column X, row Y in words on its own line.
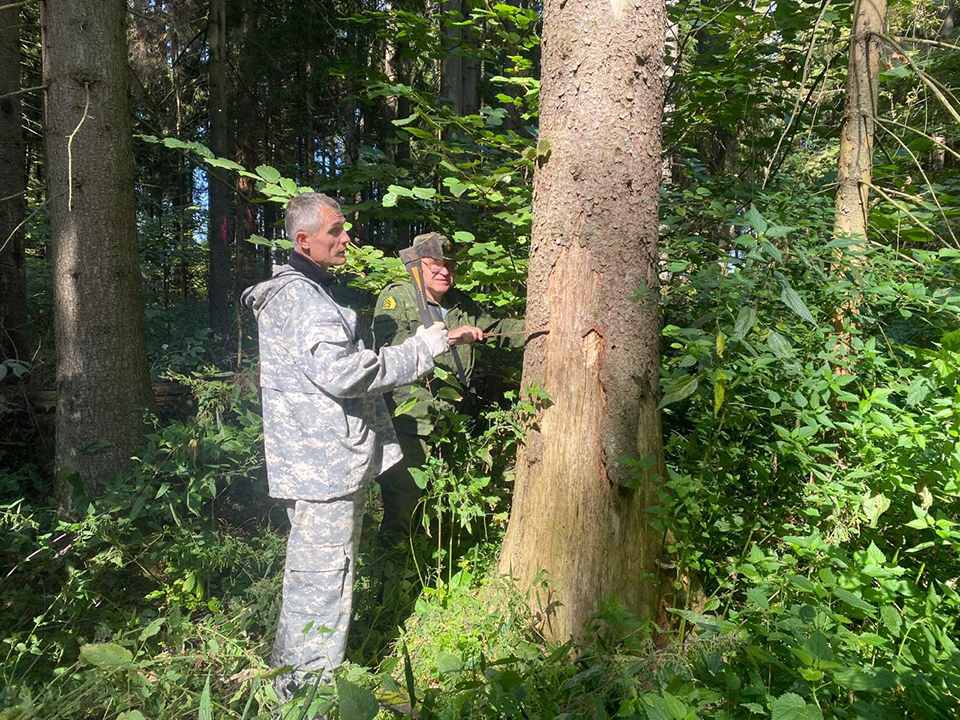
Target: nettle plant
column 810, row 406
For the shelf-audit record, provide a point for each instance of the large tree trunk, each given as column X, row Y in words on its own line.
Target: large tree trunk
column 576, row 512
column 218, row 234
column 13, row 282
column 103, row 383
column 855, row 164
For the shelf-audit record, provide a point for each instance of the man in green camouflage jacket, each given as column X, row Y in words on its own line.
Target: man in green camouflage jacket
column 397, row 318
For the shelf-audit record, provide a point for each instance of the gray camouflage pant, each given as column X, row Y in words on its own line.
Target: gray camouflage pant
column 317, row 587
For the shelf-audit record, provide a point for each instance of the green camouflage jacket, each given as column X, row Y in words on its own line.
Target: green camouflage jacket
column 396, row 318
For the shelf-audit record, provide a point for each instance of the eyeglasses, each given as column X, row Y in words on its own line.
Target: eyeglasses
column 435, row 266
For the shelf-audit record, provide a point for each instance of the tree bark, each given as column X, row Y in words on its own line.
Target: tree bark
column 103, row 382
column 248, row 265
column 218, row 232
column 594, row 243
column 459, row 70
column 855, row 163
column 13, row 278
column 396, row 68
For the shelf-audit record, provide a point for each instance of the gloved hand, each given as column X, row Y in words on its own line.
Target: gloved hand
column 435, row 337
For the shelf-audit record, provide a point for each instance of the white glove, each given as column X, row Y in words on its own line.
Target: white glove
column 435, row 337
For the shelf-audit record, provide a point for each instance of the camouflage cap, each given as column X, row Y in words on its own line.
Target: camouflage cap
column 429, row 245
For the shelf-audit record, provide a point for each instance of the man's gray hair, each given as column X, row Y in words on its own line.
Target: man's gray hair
column 303, row 212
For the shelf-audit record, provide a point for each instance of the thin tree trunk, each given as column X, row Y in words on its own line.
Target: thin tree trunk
column 218, row 233
column 459, row 73
column 459, row 70
column 13, row 278
column 577, row 511
column 855, row 162
column 249, row 265
column 103, row 383
column 397, row 71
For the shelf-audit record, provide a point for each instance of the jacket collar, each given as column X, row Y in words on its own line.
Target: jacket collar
column 306, row 266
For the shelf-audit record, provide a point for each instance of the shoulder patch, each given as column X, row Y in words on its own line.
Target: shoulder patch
column 389, row 303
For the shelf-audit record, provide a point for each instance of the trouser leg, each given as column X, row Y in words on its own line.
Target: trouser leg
column 317, row 597
column 398, row 490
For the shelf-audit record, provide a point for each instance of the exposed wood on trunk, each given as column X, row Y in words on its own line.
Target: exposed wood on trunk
column 13, row 278
column 103, row 384
column 594, row 244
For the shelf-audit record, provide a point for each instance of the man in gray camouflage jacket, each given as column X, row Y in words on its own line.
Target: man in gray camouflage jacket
column 327, row 431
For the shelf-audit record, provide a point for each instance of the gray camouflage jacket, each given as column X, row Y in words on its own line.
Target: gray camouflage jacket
column 327, row 431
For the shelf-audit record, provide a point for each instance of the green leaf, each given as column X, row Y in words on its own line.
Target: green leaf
column 448, row 663
column 874, row 506
column 448, row 393
column 408, row 675
column 871, row 679
column 131, row 715
column 356, row 703
column 745, row 320
column 152, row 629
column 109, row 656
column 400, row 122
column 206, row 706
column 951, row 341
column 405, row 407
column 775, row 231
column 791, row 706
column 898, row 72
column 854, row 600
column 755, row 220
column 771, row 251
column 270, row 174
column 918, row 391
column 400, row 190
column 424, row 193
column 455, row 186
column 719, row 390
column 389, row 200
column 792, row 300
column 462, row 236
column 758, row 598
column 259, row 240
column 781, row 348
column 420, row 478
column 224, row 163
column 679, row 389
column 891, row 618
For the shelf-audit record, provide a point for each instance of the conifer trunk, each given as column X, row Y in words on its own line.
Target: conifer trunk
column 459, row 70
column 218, row 232
column 103, row 383
column 13, row 282
column 594, row 245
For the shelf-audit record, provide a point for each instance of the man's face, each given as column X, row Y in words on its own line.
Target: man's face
column 438, row 276
column 328, row 244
